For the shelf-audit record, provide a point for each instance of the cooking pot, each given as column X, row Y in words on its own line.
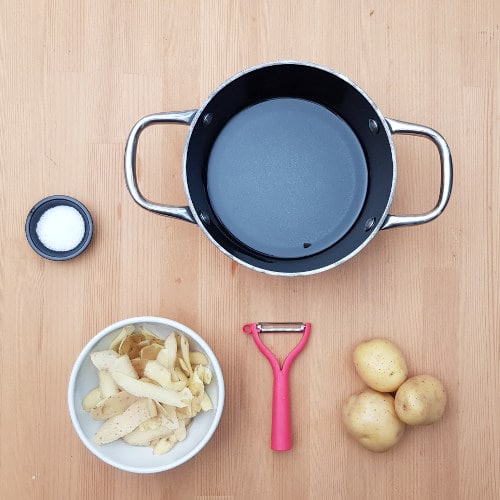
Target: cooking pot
column 289, row 168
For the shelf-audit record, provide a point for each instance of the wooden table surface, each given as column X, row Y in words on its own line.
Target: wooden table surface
column 76, row 75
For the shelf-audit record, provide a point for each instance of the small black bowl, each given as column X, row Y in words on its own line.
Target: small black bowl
column 39, row 209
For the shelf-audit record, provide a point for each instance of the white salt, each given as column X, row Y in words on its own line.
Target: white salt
column 61, row 228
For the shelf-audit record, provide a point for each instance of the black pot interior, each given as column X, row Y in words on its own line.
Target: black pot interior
column 289, row 168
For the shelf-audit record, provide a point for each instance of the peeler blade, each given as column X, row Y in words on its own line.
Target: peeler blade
column 280, row 327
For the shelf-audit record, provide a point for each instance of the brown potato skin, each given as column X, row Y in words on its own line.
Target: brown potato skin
column 370, row 418
column 420, row 400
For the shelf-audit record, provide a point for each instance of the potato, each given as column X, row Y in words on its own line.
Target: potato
column 421, row 400
column 370, row 418
column 380, row 364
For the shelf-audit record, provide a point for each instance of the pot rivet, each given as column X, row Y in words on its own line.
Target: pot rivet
column 204, row 218
column 369, row 223
column 373, row 125
column 207, row 119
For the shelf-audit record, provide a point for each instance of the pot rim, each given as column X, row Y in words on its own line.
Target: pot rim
column 382, row 121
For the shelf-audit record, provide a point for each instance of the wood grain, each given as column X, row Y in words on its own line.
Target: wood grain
column 75, row 77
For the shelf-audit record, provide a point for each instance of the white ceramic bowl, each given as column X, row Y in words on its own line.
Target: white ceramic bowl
column 140, row 459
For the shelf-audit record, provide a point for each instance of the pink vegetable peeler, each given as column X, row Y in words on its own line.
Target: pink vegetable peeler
column 281, row 436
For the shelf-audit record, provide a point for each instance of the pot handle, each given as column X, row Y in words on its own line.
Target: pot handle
column 178, row 212
column 398, row 127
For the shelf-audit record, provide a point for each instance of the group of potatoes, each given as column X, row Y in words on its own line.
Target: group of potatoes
column 377, row 416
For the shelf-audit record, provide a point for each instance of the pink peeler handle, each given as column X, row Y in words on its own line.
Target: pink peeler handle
column 281, row 435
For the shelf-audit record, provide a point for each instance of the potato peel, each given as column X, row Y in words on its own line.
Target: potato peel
column 92, row 399
column 149, row 389
column 112, row 405
column 124, row 366
column 140, row 388
column 124, row 332
column 103, row 360
column 163, row 446
column 120, row 425
column 107, row 384
column 143, row 437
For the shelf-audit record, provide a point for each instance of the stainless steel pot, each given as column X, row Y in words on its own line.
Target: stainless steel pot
column 289, row 168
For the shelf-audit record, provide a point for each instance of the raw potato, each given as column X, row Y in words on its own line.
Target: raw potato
column 421, row 400
column 380, row 364
column 371, row 419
